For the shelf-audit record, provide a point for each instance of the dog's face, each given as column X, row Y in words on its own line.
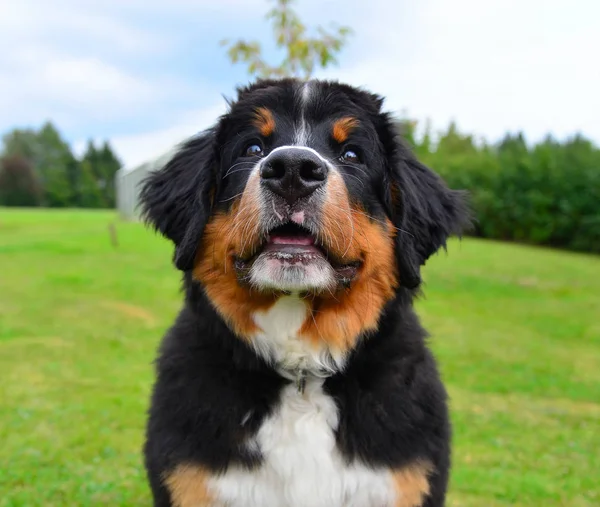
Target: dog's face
column 301, row 189
column 305, row 188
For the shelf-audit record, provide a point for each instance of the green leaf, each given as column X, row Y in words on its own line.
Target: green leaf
column 290, row 33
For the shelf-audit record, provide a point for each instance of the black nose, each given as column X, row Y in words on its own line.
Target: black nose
column 293, row 173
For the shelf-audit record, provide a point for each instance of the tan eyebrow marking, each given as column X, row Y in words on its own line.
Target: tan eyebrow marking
column 264, row 121
column 343, row 127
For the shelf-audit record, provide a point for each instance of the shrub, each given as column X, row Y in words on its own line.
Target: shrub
column 546, row 194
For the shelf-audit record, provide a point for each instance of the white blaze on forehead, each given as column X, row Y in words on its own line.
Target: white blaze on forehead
column 306, row 90
column 302, row 134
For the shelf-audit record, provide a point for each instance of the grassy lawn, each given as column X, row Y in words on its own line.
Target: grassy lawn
column 516, row 330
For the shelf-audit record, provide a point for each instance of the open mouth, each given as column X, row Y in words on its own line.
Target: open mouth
column 293, row 247
column 293, row 243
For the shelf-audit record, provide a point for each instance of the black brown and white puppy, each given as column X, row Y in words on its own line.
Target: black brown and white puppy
column 297, row 373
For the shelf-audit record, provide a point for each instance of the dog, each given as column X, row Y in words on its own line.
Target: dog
column 296, row 373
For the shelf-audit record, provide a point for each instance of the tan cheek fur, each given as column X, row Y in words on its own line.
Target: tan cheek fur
column 340, row 318
column 337, row 319
column 224, row 235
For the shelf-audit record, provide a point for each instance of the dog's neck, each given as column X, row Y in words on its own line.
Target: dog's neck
column 280, row 343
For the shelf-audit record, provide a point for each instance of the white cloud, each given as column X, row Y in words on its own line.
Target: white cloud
column 493, row 66
column 29, row 21
column 78, row 63
column 79, row 80
column 42, row 84
column 41, row 79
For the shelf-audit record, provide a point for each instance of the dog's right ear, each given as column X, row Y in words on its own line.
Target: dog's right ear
column 176, row 199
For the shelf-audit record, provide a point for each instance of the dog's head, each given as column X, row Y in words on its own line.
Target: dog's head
column 302, row 187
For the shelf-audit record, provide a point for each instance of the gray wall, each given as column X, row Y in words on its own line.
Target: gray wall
column 127, row 182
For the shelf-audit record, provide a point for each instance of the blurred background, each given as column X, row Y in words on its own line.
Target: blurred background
column 500, row 97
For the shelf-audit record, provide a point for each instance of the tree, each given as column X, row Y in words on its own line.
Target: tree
column 19, row 185
column 50, row 156
column 90, row 194
column 513, row 148
column 302, row 52
column 52, row 167
column 64, row 180
column 22, row 142
column 90, row 175
column 110, row 164
column 452, row 142
column 73, row 176
column 103, row 165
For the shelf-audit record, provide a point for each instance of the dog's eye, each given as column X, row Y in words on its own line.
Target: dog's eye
column 350, row 156
column 253, row 150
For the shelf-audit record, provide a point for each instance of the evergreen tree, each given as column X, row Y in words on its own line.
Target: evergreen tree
column 19, row 185
column 452, row 142
column 64, row 180
column 90, row 194
column 49, row 156
column 103, row 164
column 109, row 165
column 73, row 170
column 24, row 143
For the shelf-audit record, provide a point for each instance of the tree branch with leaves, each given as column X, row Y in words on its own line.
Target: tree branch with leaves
column 302, row 52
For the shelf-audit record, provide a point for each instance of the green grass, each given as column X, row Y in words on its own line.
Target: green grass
column 516, row 331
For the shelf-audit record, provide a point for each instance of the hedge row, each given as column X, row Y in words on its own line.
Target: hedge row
column 545, row 194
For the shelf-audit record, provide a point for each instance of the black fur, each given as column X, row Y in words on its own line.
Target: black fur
column 176, row 199
column 391, row 401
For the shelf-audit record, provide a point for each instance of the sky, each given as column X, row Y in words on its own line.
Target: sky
column 145, row 74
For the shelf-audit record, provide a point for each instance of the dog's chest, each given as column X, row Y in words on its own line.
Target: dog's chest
column 302, row 466
column 278, row 340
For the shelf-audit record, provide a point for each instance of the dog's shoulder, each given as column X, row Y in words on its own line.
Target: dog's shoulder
column 391, row 396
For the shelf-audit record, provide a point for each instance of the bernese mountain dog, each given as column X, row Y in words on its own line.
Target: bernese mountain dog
column 296, row 373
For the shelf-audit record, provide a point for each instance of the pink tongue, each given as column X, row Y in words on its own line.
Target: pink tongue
column 291, row 240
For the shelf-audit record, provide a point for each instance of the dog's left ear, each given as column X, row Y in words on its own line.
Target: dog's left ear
column 176, row 199
column 424, row 211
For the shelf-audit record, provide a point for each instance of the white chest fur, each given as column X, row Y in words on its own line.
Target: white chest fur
column 278, row 342
column 302, row 466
